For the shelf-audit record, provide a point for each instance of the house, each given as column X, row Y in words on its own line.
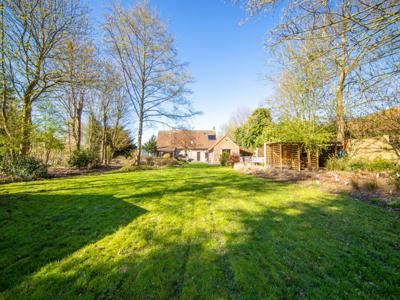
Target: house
column 190, row 144
column 226, row 144
column 196, row 145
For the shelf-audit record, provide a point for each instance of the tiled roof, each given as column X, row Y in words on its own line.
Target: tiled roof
column 169, row 140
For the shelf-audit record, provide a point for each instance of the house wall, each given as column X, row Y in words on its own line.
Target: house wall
column 226, row 143
column 192, row 155
column 371, row 148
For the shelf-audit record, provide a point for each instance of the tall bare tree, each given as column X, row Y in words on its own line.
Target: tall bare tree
column 237, row 119
column 154, row 79
column 112, row 107
column 33, row 33
column 81, row 73
column 357, row 35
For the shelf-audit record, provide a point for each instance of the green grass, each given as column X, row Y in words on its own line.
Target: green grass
column 192, row 233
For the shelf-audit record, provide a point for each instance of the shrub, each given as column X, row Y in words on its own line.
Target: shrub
column 149, row 161
column 371, row 185
column 83, row 159
column 380, row 164
column 134, row 168
column 223, row 158
column 23, row 167
column 355, row 183
column 346, row 164
column 233, row 159
column 161, row 162
column 167, row 155
column 337, row 164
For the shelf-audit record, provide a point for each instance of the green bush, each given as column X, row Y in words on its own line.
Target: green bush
column 223, row 158
column 337, row 164
column 83, row 159
column 371, row 185
column 347, row 164
column 162, row 161
column 25, row 167
column 380, row 164
column 134, row 168
column 149, row 161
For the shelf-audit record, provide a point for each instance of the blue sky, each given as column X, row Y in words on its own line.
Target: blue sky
column 227, row 60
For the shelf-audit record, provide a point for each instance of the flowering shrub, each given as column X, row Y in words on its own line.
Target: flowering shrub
column 233, row 159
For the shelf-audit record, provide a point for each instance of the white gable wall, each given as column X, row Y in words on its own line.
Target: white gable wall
column 192, row 155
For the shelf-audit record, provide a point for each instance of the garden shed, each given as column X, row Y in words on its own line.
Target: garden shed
column 291, row 155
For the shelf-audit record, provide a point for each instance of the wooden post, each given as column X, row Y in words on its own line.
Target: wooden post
column 281, row 155
column 265, row 155
column 299, row 158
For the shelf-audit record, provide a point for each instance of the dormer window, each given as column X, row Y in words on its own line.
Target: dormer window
column 212, row 137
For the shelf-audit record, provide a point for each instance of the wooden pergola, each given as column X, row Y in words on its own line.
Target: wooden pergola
column 289, row 155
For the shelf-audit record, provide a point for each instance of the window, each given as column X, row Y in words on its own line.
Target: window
column 212, row 137
column 226, row 151
column 198, row 156
column 206, row 156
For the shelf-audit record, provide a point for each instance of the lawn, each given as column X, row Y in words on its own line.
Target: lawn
column 193, row 232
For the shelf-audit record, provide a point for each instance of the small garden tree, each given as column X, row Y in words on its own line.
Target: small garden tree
column 250, row 134
column 151, row 145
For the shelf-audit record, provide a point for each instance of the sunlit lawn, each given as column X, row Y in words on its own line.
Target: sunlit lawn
column 192, row 233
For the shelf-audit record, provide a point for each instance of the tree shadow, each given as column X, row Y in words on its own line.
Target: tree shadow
column 242, row 238
column 333, row 248
column 336, row 248
column 37, row 229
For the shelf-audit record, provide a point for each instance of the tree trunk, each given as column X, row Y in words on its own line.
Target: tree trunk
column 47, row 157
column 78, row 132
column 340, row 124
column 79, row 123
column 26, row 127
column 69, row 140
column 4, row 78
column 104, row 138
column 141, row 108
column 140, row 132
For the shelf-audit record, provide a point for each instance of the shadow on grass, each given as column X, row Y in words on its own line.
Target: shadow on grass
column 334, row 250
column 37, row 229
column 330, row 247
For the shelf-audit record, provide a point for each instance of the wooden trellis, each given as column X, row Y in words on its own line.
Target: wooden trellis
column 289, row 156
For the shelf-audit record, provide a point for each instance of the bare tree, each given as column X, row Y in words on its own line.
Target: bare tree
column 301, row 87
column 118, row 138
column 33, row 33
column 154, row 79
column 81, row 73
column 112, row 107
column 237, row 119
column 357, row 36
